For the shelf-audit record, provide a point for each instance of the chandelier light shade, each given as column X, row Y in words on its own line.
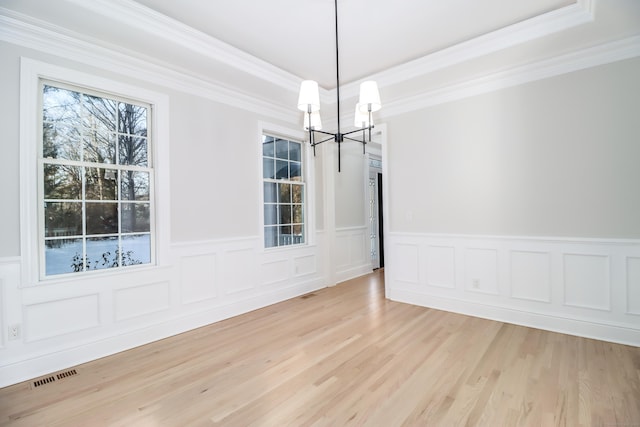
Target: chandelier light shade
column 309, row 103
column 369, row 96
column 309, row 99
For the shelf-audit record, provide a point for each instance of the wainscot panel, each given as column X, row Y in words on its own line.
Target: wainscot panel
column 585, row 287
column 141, row 300
column 351, row 253
column 69, row 322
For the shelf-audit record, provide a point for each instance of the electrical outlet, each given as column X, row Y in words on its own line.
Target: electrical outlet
column 14, row 331
column 475, row 283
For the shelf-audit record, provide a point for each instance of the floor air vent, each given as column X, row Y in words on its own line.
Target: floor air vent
column 43, row 381
column 308, row 296
column 65, row 374
column 53, row 378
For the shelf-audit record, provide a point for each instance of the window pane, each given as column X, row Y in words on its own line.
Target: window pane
column 298, row 215
column 101, row 184
column 60, row 141
column 270, row 192
column 297, row 193
column 282, row 149
column 295, row 171
column 100, row 114
column 62, row 182
column 295, row 151
column 285, row 214
column 282, row 169
column 132, row 119
column 284, row 236
column 134, row 185
column 62, row 219
column 136, row 249
column 100, row 147
column 268, row 148
column 270, row 237
column 298, row 232
column 133, row 150
column 102, row 218
column 61, row 115
column 136, row 217
column 284, row 193
column 270, row 214
column 61, row 105
column 63, row 256
column 268, row 168
column 102, row 252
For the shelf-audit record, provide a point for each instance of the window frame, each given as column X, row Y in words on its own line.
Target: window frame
column 85, row 235
column 33, row 74
column 308, row 171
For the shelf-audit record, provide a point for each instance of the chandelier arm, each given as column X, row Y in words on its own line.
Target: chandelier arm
column 324, row 132
column 324, row 140
column 356, row 140
column 358, row 130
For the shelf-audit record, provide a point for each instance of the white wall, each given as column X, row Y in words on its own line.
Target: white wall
column 522, row 204
column 214, row 265
column 556, row 157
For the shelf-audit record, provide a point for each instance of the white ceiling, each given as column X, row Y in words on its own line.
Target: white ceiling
column 298, row 36
column 247, row 51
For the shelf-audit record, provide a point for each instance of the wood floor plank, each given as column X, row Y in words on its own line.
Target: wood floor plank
column 345, row 356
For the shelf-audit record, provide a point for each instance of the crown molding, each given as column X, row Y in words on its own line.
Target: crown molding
column 586, row 58
column 164, row 28
column 539, row 26
column 38, row 35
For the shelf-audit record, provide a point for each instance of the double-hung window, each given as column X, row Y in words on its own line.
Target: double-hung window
column 284, row 192
column 96, row 181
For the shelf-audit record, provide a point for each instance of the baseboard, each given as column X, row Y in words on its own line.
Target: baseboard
column 34, row 367
column 581, row 328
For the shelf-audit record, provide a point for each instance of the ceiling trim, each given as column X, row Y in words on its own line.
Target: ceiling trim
column 31, row 33
column 48, row 39
column 136, row 15
column 586, row 58
column 543, row 25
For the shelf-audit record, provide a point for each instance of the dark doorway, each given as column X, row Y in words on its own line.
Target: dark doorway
column 380, row 221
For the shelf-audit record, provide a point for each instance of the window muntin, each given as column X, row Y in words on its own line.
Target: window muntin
column 96, row 182
column 284, row 192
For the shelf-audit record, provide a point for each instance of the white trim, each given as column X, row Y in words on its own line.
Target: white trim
column 595, row 309
column 539, row 239
column 575, row 61
column 607, row 331
column 47, row 362
column 31, row 72
column 512, row 35
column 160, row 26
column 34, row 34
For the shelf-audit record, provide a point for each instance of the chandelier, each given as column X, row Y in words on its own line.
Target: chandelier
column 309, row 103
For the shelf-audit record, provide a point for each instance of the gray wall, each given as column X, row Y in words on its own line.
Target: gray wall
column 556, row 157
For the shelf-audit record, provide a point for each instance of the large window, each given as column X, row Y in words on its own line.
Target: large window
column 284, row 192
column 96, row 182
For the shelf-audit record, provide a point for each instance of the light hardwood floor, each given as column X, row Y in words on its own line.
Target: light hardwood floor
column 345, row 356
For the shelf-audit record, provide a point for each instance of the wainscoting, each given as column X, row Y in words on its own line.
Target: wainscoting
column 352, row 253
column 68, row 322
column 585, row 287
